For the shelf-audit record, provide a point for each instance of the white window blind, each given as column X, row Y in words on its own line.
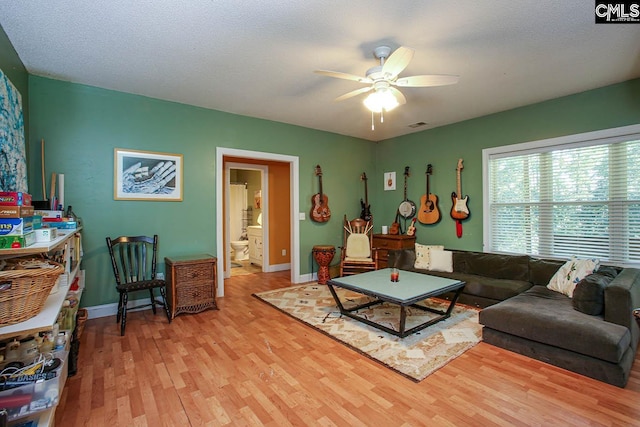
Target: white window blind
column 571, row 199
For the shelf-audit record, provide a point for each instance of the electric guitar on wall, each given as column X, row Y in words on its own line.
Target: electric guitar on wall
column 429, row 212
column 365, row 213
column 320, row 211
column 459, row 210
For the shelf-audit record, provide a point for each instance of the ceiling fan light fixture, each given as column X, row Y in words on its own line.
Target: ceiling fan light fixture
column 381, row 99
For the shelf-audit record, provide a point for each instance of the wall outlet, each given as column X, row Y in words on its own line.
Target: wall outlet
column 301, row 216
column 284, row 252
column 160, row 276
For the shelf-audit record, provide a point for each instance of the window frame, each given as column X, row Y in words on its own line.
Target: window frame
column 599, row 137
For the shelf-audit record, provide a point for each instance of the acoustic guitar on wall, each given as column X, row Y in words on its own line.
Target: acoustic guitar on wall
column 429, row 212
column 320, row 211
column 459, row 210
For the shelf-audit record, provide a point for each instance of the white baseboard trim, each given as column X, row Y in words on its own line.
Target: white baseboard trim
column 277, row 267
column 310, row 277
column 106, row 310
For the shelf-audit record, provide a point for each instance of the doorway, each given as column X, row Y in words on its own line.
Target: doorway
column 294, row 206
column 249, row 222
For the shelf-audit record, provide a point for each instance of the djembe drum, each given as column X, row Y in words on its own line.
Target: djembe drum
column 323, row 254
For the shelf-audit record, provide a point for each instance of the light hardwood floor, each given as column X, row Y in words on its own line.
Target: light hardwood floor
column 247, row 364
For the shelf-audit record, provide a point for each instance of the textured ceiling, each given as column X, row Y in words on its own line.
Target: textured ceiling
column 256, row 57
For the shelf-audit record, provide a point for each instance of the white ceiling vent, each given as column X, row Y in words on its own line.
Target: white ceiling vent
column 418, row 124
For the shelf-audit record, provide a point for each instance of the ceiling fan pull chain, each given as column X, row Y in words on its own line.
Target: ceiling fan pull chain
column 381, row 116
column 373, row 127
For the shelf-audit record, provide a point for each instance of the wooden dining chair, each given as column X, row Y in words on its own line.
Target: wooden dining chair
column 134, row 266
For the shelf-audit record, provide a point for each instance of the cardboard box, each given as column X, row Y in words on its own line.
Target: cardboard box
column 64, row 225
column 8, row 242
column 44, row 235
column 15, row 211
column 14, row 198
column 15, row 226
column 49, row 214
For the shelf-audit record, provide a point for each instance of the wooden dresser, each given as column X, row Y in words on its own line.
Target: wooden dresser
column 386, row 242
column 191, row 282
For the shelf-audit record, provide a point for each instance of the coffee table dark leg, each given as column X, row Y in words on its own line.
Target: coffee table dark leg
column 344, row 310
column 403, row 321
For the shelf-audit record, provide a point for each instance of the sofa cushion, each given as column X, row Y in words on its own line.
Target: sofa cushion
column 588, row 295
column 548, row 317
column 403, row 259
column 514, row 267
column 486, row 287
column 542, row 270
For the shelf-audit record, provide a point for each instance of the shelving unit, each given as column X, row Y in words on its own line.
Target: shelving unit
column 45, row 320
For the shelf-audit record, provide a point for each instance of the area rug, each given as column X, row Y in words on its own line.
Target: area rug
column 415, row 356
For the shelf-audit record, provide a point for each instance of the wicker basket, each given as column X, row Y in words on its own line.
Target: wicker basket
column 82, row 317
column 23, row 292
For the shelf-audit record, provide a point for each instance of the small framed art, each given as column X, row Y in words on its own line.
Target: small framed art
column 147, row 175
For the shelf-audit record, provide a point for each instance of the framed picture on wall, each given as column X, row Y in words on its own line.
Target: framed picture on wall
column 389, row 181
column 147, row 175
column 257, row 199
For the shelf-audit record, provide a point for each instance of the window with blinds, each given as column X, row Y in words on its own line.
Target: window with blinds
column 571, row 196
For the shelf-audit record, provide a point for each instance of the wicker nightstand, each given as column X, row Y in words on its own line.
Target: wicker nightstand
column 191, row 282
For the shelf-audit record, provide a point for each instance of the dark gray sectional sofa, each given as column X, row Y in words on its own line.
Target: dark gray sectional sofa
column 520, row 314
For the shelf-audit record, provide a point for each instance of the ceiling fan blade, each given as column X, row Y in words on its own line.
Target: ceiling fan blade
column 353, row 93
column 345, row 76
column 427, row 80
column 397, row 62
column 399, row 96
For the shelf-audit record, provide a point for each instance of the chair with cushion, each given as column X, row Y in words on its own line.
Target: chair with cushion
column 357, row 254
column 134, row 265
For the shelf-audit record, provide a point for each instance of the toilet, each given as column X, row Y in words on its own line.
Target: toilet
column 240, row 249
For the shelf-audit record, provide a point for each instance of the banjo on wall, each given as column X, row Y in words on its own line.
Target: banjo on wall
column 407, row 208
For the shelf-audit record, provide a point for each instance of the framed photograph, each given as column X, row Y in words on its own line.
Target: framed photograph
column 257, row 199
column 147, row 175
column 389, row 181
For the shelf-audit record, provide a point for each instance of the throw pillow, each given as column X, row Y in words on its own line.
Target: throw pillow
column 441, row 260
column 588, row 295
column 567, row 276
column 423, row 257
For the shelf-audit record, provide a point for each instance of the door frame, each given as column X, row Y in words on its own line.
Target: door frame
column 294, row 167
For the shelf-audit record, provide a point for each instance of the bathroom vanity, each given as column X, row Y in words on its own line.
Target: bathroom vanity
column 254, row 232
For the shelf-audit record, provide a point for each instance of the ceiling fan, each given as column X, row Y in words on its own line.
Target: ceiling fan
column 383, row 79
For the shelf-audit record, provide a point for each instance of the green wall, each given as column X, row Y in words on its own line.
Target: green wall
column 608, row 107
column 82, row 125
